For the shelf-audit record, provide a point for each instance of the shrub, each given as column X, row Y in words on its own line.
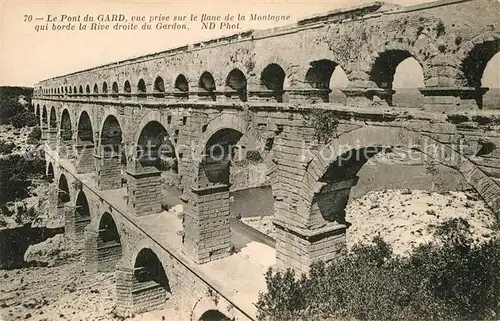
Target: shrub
column 25, row 119
column 36, row 133
column 451, row 279
column 6, row 148
column 440, row 29
column 16, row 172
column 325, row 125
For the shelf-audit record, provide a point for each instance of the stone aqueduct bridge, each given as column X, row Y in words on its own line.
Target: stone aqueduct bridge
column 267, row 93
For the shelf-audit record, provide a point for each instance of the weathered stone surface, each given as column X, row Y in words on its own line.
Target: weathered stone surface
column 270, row 109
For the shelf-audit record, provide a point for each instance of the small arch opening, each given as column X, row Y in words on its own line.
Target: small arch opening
column 149, row 278
column 85, row 134
column 318, row 77
column 181, row 87
column 214, row 315
column 141, row 88
column 82, row 213
column 384, row 70
column 109, row 248
column 127, row 90
column 50, row 173
column 159, row 87
column 53, row 120
column 236, row 81
column 207, row 85
column 272, row 79
column 62, row 191
column 114, row 89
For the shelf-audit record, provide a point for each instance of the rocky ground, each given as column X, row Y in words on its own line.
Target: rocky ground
column 58, row 292
column 38, row 190
column 404, row 218
column 61, row 288
column 58, row 287
column 18, row 136
column 64, row 290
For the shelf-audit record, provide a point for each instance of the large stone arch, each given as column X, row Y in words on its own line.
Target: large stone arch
column 470, row 72
column 52, row 118
column 206, row 303
column 111, row 111
column 80, row 217
column 66, row 113
column 84, row 116
column 210, row 179
column 45, row 116
column 321, row 52
column 112, row 152
column 375, row 136
column 65, row 133
column 228, row 121
column 153, row 115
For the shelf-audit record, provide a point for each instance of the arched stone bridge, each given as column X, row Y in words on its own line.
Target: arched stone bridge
column 261, row 97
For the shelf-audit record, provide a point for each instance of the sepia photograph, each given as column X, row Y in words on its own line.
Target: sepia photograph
column 220, row 160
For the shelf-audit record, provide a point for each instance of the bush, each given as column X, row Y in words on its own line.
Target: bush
column 34, row 136
column 6, row 148
column 325, row 125
column 25, row 119
column 16, row 172
column 452, row 279
column 35, row 133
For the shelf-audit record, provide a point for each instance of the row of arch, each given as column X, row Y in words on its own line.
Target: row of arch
column 148, row 270
column 154, row 135
column 236, row 81
column 322, row 76
column 274, row 75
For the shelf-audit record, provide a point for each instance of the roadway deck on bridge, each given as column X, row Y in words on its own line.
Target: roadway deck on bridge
column 239, row 277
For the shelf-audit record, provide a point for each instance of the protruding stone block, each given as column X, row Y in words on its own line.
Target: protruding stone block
column 85, row 158
column 450, row 99
column 144, row 191
column 134, row 296
column 102, row 250
column 363, row 97
column 298, row 248
column 52, row 138
column 68, row 212
column 308, row 95
column 207, row 232
column 45, row 132
column 52, row 200
column 109, row 171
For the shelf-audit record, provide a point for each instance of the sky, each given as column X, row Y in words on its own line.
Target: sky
column 28, row 56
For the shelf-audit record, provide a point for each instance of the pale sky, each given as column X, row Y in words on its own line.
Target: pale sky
column 28, row 56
